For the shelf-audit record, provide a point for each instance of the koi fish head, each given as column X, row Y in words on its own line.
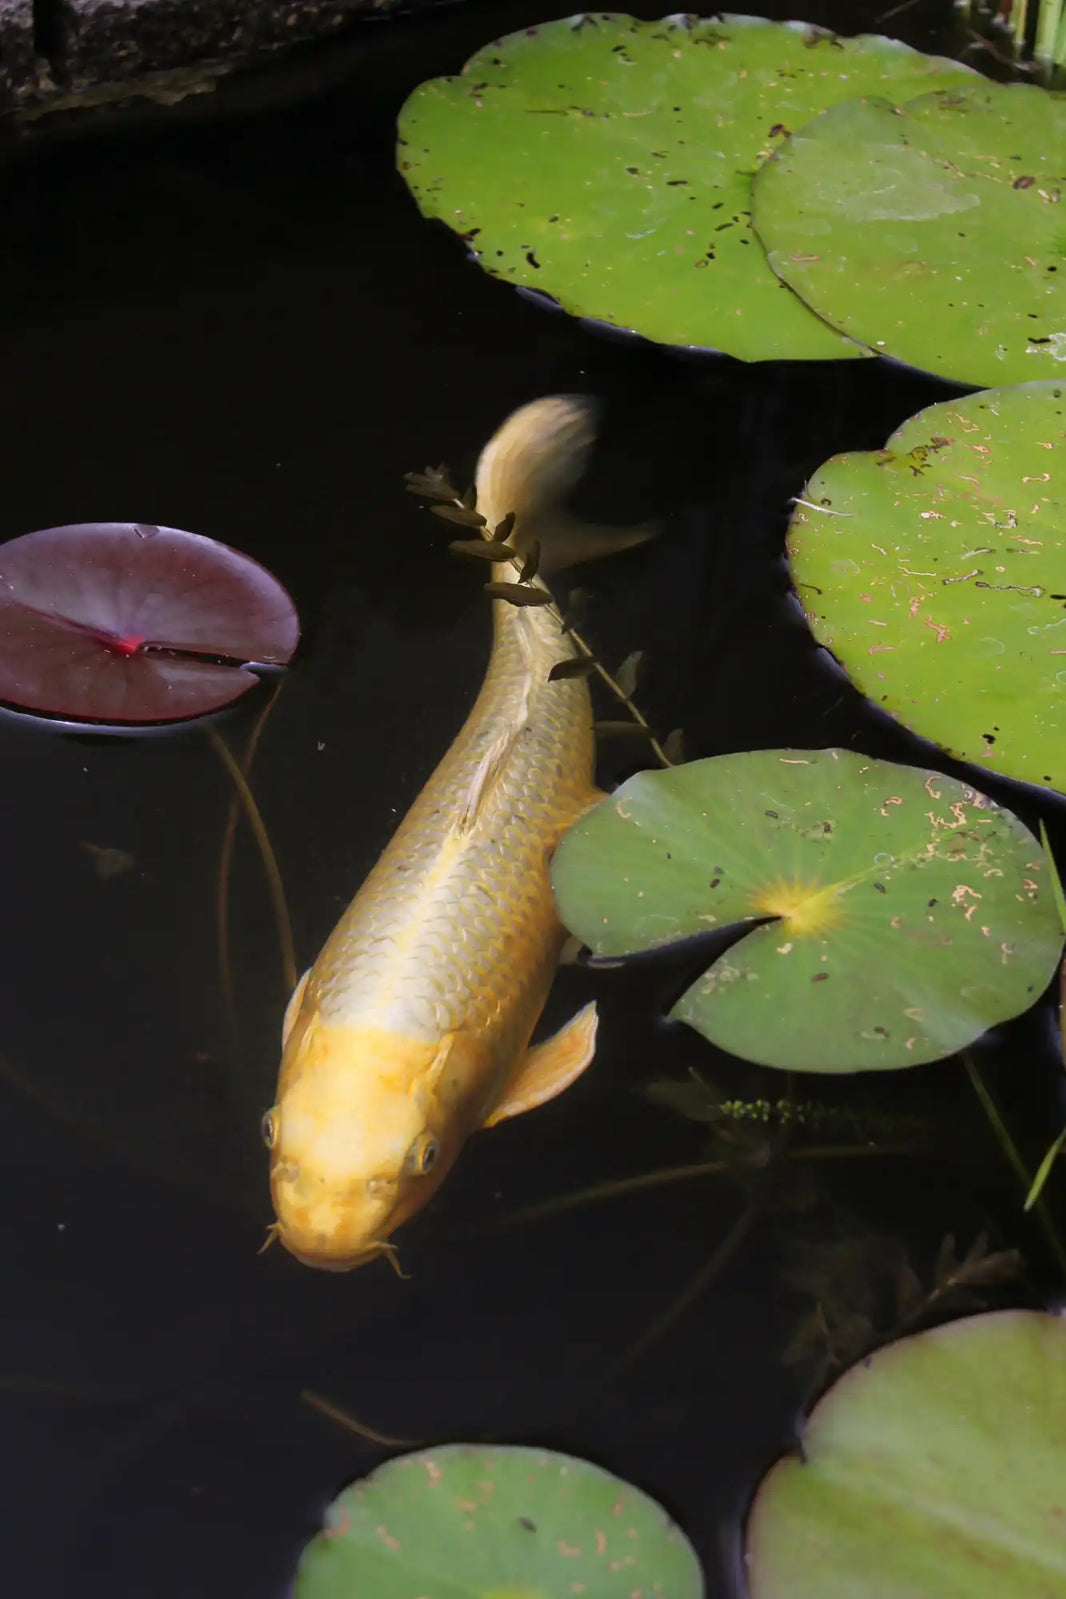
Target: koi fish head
column 359, row 1142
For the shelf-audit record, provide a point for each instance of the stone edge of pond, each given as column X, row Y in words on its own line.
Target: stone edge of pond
column 63, row 55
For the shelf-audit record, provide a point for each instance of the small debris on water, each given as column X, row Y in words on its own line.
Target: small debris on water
column 107, row 862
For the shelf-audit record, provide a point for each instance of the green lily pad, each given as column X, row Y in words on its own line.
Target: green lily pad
column 910, row 913
column 936, row 1469
column 608, row 162
column 467, row 1521
column 935, row 571
column 934, row 232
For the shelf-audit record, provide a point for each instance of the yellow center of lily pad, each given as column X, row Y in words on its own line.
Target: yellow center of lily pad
column 807, row 909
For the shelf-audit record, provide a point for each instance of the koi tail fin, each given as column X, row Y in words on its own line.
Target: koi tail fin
column 529, row 466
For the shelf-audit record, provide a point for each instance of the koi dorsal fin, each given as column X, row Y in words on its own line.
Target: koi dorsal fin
column 546, row 1069
column 529, row 466
column 485, row 776
column 292, row 1009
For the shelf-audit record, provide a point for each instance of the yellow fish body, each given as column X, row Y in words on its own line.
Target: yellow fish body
column 412, row 1027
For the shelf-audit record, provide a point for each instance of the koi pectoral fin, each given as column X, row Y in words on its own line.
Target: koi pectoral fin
column 548, row 1068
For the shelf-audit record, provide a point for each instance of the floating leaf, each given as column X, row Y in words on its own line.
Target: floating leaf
column 937, row 1463
column 127, row 622
column 467, row 1521
column 518, row 594
column 905, row 912
column 942, row 587
column 483, row 549
column 577, row 158
column 580, row 666
column 932, row 233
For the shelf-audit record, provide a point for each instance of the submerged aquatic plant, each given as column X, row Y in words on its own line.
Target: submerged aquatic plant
column 863, row 1290
column 445, row 500
column 468, row 1521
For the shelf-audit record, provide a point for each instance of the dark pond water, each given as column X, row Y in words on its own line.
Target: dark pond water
column 233, row 320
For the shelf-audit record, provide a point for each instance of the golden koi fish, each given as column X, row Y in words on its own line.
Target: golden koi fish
column 412, row 1027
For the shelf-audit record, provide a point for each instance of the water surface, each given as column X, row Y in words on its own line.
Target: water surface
column 237, row 323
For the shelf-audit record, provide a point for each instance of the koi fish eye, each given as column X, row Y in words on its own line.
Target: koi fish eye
column 430, row 1152
column 268, row 1128
column 422, row 1155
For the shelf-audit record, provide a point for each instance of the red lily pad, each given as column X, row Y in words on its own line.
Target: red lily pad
column 126, row 622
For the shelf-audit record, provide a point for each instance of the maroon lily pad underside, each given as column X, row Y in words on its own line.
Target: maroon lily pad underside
column 126, row 622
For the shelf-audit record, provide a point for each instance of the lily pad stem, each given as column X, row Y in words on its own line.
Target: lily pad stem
column 679, row 1174
column 697, row 1284
column 266, row 852
column 225, row 864
column 343, row 1418
column 1010, row 1150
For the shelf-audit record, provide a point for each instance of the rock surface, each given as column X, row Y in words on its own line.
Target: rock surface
column 52, row 50
column 17, row 58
